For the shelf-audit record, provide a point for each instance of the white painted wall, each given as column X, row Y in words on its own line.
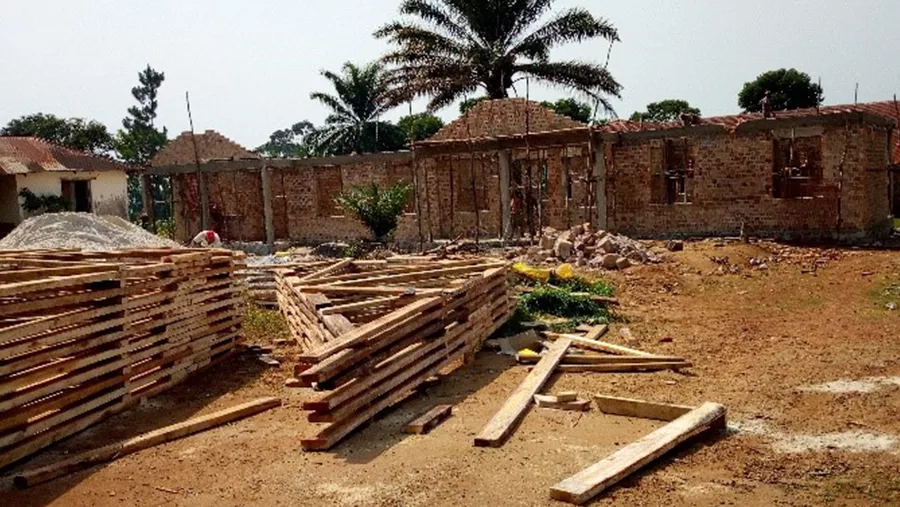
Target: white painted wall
column 110, row 194
column 109, row 189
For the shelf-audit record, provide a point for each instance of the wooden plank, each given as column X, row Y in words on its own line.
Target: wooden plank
column 572, row 359
column 585, row 485
column 153, row 438
column 360, row 305
column 419, row 275
column 595, row 332
column 639, row 408
column 621, row 367
column 429, row 420
column 334, row 268
column 368, row 291
column 21, row 288
column 504, row 421
column 597, row 345
column 367, row 331
column 575, row 406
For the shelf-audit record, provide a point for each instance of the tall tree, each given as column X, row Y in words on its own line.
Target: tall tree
column 450, row 48
column 290, row 142
column 75, row 133
column 421, row 126
column 665, row 110
column 788, row 89
column 577, row 110
column 360, row 98
column 139, row 141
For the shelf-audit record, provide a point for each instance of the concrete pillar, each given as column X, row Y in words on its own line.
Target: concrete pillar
column 269, row 215
column 506, row 219
column 600, row 183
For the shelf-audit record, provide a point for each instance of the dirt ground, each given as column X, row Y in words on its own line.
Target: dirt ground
column 763, row 342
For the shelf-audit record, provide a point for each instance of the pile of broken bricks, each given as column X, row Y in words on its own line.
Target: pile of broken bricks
column 586, row 247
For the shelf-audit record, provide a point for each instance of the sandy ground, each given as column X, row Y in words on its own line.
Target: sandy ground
column 807, row 364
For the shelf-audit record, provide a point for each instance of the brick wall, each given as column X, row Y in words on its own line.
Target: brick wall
column 728, row 183
column 732, row 185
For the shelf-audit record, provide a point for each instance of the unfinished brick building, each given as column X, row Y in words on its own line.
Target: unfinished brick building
column 510, row 167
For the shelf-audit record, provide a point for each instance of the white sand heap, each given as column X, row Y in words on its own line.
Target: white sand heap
column 81, row 230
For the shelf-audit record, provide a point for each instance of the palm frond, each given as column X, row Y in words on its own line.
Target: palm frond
column 573, row 25
column 590, row 79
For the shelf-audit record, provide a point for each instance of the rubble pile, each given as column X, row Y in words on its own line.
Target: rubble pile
column 586, row 247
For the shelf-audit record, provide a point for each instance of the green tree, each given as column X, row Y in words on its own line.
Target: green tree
column 578, row 111
column 665, row 110
column 788, row 89
column 421, row 126
column 289, row 143
column 448, row 49
column 76, row 133
column 139, row 141
column 360, row 98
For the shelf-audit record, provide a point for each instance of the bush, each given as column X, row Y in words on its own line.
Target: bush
column 378, row 209
column 33, row 203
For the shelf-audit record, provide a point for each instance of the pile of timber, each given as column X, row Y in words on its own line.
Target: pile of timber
column 84, row 335
column 373, row 331
column 260, row 279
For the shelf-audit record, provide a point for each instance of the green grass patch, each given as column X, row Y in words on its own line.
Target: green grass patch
column 264, row 326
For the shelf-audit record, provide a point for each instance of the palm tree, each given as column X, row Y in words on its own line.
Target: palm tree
column 455, row 47
column 361, row 97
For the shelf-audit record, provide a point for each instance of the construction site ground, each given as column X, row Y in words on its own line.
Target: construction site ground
column 762, row 341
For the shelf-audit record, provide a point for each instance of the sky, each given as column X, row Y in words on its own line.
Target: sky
column 250, row 66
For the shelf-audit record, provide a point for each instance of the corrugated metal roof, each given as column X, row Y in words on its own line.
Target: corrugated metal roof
column 21, row 155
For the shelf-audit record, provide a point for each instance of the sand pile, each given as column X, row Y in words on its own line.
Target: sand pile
column 81, row 230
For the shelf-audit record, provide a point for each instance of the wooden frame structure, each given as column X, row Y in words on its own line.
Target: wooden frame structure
column 84, row 335
column 373, row 331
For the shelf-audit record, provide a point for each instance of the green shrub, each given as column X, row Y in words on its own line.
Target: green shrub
column 379, row 209
column 33, row 203
column 561, row 303
column 166, row 227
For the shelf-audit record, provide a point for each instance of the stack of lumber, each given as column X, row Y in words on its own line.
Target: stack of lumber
column 373, row 331
column 83, row 335
column 260, row 280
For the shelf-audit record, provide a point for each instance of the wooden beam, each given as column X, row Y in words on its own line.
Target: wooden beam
column 639, row 408
column 577, row 405
column 255, row 164
column 622, row 367
column 582, row 343
column 505, row 206
column 505, row 420
column 585, row 485
column 376, row 327
column 575, row 359
column 205, row 219
column 269, row 216
column 153, row 438
column 429, row 420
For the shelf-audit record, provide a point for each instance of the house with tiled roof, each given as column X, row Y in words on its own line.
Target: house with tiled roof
column 504, row 117
column 209, row 145
column 86, row 182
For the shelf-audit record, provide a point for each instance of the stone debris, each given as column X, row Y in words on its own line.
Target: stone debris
column 583, row 246
column 84, row 231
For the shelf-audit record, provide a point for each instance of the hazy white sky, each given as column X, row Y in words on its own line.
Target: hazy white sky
column 250, row 65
